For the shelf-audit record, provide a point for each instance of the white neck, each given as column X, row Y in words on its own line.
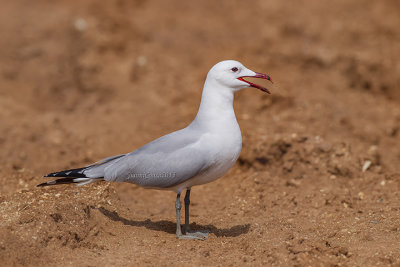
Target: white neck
column 216, row 107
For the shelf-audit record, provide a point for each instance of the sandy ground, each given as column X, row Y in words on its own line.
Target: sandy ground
column 83, row 80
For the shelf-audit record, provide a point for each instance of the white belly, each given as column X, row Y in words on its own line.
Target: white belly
column 224, row 153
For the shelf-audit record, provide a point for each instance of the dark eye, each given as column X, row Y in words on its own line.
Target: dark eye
column 234, row 69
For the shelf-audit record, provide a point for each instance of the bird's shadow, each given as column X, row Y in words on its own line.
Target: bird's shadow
column 170, row 227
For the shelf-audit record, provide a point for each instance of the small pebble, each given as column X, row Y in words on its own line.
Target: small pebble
column 366, row 165
column 141, row 61
column 80, row 24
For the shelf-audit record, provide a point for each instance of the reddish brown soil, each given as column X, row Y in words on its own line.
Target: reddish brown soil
column 82, row 80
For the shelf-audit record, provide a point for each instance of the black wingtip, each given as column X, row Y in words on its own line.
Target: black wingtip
column 47, row 183
column 69, row 176
column 75, row 173
column 67, row 180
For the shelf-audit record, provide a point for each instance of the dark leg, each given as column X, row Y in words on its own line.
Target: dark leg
column 188, row 231
column 179, row 234
column 187, row 203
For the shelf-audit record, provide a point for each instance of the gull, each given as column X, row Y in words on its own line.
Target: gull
column 198, row 154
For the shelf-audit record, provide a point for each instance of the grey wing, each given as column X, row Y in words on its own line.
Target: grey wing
column 96, row 170
column 165, row 162
column 105, row 160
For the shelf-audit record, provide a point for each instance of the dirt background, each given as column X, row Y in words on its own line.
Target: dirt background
column 83, row 80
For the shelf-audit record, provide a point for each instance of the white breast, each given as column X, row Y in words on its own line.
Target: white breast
column 224, row 147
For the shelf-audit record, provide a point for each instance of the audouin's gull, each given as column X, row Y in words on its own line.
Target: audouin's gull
column 198, row 154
